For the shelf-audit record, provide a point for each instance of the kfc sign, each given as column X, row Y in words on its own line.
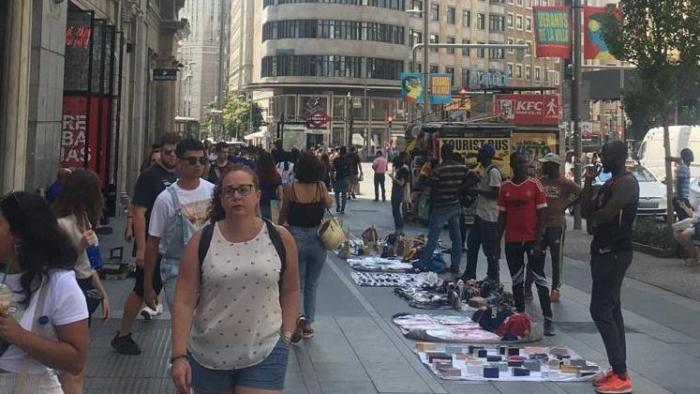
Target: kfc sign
column 528, row 109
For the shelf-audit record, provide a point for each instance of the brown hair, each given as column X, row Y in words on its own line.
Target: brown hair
column 81, row 195
column 216, row 210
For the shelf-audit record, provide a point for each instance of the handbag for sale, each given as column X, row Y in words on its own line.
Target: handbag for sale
column 331, row 232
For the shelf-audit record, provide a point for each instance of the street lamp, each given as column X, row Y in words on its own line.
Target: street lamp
column 426, row 45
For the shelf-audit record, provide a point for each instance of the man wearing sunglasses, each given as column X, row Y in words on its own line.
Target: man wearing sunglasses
column 149, row 185
column 178, row 213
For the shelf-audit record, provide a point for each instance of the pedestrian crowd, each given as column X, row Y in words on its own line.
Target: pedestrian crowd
column 227, row 238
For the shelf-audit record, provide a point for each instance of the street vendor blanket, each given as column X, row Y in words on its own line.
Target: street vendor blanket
column 378, row 264
column 505, row 363
column 454, row 329
column 387, row 279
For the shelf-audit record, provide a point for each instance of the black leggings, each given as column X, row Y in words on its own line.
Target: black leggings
column 608, row 272
column 515, row 256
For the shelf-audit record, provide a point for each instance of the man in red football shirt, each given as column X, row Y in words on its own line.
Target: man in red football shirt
column 521, row 203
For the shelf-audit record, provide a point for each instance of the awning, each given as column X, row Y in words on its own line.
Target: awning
column 258, row 134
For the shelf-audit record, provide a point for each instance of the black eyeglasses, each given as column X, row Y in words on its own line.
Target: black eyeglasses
column 243, row 190
column 193, row 160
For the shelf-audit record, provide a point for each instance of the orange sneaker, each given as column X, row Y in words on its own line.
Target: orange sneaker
column 602, row 377
column 616, row 385
column 554, row 295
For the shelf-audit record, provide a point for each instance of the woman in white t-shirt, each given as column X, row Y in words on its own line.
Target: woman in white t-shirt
column 45, row 328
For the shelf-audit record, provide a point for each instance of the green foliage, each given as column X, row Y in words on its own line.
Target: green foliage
column 237, row 115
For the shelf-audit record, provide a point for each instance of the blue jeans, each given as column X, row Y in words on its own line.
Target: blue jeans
column 312, row 256
column 341, row 193
column 438, row 216
column 169, row 270
column 483, row 234
column 396, row 200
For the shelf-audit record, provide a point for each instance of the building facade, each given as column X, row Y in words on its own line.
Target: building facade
column 77, row 87
column 342, row 59
column 203, row 74
column 524, row 69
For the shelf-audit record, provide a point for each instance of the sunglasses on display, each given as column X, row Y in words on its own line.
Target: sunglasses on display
column 194, row 160
column 243, row 190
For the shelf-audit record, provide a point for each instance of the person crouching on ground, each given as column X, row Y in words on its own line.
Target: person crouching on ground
column 236, row 297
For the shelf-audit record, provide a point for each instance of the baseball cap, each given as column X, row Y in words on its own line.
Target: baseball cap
column 488, row 150
column 551, row 158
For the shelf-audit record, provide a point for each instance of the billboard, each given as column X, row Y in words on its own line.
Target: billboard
column 594, row 45
column 79, row 133
column 528, row 109
column 467, row 144
column 552, row 32
column 412, row 87
column 440, row 88
column 535, row 144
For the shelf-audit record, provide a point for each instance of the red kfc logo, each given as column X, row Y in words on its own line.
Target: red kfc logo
column 528, row 109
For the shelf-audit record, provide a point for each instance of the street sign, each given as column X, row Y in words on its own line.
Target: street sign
column 528, row 109
column 317, row 120
column 165, row 74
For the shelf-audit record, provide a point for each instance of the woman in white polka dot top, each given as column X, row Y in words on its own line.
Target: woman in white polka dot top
column 235, row 313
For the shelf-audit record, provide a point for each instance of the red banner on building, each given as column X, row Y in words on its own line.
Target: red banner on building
column 528, row 109
column 594, row 45
column 552, row 31
column 80, row 127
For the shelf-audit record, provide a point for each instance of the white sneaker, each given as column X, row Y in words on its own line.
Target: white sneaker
column 147, row 313
column 159, row 309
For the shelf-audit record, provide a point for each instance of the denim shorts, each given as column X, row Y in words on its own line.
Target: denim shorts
column 267, row 375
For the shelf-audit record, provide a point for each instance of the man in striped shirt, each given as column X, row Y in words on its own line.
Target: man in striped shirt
column 446, row 183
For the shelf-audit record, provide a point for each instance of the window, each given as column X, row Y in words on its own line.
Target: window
column 518, row 71
column 435, row 12
column 496, row 53
column 496, row 22
column 481, row 21
column 528, row 51
column 333, row 29
column 510, row 70
column 528, row 3
column 519, row 22
column 466, row 18
column 451, row 71
column 465, row 51
column 383, row 68
column 510, row 42
column 538, row 74
column 450, row 40
column 399, row 5
column 481, row 52
column 528, row 72
column 451, row 15
column 519, row 2
column 416, row 5
column 434, row 39
column 528, row 23
column 465, row 77
column 434, row 69
column 414, row 37
column 510, row 20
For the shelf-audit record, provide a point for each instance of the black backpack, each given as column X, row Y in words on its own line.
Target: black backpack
column 208, row 232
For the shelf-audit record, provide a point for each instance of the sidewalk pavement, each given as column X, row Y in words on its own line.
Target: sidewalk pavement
column 358, row 350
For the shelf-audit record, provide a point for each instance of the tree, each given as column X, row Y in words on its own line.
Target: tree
column 662, row 38
column 237, row 115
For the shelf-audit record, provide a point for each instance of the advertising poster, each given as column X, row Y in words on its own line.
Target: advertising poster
column 535, row 144
column 412, row 88
column 552, row 32
column 528, row 109
column 594, row 45
column 440, row 88
column 79, row 127
column 467, row 145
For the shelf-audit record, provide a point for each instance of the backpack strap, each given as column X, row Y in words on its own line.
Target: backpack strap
column 278, row 243
column 275, row 238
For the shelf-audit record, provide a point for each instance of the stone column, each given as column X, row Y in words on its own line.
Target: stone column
column 14, row 100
